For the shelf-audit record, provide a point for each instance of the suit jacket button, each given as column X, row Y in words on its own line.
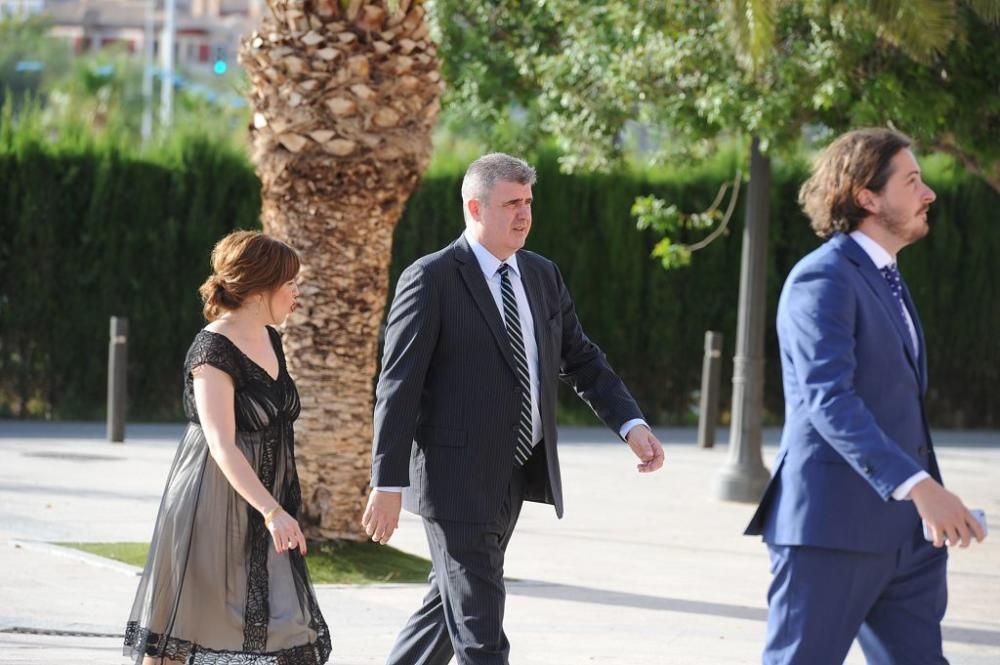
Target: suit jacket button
column 923, row 450
column 868, row 469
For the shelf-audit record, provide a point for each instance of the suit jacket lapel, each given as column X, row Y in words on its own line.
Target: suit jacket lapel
column 532, row 282
column 474, row 280
column 881, row 288
column 532, row 289
column 922, row 349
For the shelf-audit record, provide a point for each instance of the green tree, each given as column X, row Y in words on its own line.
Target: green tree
column 581, row 73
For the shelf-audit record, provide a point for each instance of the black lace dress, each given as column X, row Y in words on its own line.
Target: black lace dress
column 214, row 591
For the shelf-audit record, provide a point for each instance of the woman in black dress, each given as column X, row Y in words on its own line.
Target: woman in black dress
column 226, row 580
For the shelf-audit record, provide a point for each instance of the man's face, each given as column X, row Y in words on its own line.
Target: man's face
column 502, row 223
column 901, row 207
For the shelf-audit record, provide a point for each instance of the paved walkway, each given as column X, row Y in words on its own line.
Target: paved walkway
column 643, row 570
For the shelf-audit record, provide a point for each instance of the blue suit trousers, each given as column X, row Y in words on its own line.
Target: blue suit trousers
column 821, row 599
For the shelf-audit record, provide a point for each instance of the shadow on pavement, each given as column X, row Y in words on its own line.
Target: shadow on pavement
column 583, row 594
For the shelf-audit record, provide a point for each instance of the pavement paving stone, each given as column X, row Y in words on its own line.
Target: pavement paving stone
column 643, row 570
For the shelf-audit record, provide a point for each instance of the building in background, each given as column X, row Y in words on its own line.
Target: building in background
column 207, row 31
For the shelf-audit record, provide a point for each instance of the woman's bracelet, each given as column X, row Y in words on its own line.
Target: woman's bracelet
column 269, row 515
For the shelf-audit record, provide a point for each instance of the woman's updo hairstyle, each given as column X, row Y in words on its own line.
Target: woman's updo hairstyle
column 245, row 263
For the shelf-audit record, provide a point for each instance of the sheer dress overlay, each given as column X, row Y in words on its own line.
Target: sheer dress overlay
column 214, row 591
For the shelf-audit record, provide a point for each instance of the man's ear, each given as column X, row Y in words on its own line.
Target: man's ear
column 866, row 199
column 473, row 207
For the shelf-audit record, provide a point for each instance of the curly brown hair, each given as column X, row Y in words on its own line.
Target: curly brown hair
column 245, row 263
column 860, row 159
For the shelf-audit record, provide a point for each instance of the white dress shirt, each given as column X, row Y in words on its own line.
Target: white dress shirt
column 881, row 258
column 489, row 264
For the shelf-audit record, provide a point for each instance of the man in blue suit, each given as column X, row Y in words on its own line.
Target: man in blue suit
column 856, row 471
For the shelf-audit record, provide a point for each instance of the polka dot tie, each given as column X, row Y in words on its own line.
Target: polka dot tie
column 895, row 280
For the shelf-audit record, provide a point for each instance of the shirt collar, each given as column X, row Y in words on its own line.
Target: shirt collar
column 876, row 252
column 488, row 263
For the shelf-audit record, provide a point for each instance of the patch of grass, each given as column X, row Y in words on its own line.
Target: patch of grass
column 338, row 562
column 358, row 563
column 131, row 553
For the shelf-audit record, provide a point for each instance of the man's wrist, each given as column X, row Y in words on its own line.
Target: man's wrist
column 631, row 425
column 903, row 490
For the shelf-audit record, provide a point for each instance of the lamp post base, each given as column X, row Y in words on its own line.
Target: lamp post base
column 743, row 483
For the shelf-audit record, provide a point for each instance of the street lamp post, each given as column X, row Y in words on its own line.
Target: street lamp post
column 167, row 63
column 147, row 70
column 744, row 476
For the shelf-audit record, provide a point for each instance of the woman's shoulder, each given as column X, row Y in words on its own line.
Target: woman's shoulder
column 213, row 348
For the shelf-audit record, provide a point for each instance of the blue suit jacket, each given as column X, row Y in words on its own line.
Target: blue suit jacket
column 855, row 426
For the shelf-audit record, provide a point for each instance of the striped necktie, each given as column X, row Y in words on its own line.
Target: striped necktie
column 512, row 321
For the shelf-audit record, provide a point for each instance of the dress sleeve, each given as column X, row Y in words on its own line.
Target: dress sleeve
column 214, row 350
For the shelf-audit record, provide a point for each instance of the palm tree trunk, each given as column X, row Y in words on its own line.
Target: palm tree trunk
column 344, row 96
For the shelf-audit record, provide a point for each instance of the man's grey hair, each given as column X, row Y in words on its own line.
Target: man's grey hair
column 484, row 174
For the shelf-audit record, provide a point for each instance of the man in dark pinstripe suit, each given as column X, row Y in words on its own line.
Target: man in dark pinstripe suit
column 477, row 336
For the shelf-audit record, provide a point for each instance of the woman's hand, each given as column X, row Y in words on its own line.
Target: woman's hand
column 286, row 533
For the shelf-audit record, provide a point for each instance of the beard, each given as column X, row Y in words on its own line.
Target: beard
column 907, row 227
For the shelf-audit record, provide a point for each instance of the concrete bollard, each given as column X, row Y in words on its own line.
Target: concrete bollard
column 709, row 406
column 117, row 363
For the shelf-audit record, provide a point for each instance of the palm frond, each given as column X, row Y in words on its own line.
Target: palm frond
column 922, row 29
column 988, row 10
column 761, row 16
column 752, row 28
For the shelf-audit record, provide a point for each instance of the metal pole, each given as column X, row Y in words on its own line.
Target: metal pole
column 744, row 476
column 147, row 71
column 708, row 413
column 117, row 363
column 167, row 63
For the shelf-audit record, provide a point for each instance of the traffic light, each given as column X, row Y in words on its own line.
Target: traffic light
column 220, row 67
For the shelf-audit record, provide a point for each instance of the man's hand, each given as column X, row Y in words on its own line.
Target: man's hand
column 946, row 516
column 646, row 447
column 382, row 515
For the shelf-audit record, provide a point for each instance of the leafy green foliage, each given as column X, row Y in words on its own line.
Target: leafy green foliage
column 579, row 72
column 652, row 212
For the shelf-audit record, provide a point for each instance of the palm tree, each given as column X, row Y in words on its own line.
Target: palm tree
column 344, row 97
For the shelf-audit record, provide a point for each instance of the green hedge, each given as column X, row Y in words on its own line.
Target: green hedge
column 91, row 231
column 651, row 322
column 88, row 231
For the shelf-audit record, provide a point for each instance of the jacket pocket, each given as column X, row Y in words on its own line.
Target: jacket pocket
column 440, row 436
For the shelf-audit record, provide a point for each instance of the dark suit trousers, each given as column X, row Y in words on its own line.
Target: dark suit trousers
column 462, row 613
